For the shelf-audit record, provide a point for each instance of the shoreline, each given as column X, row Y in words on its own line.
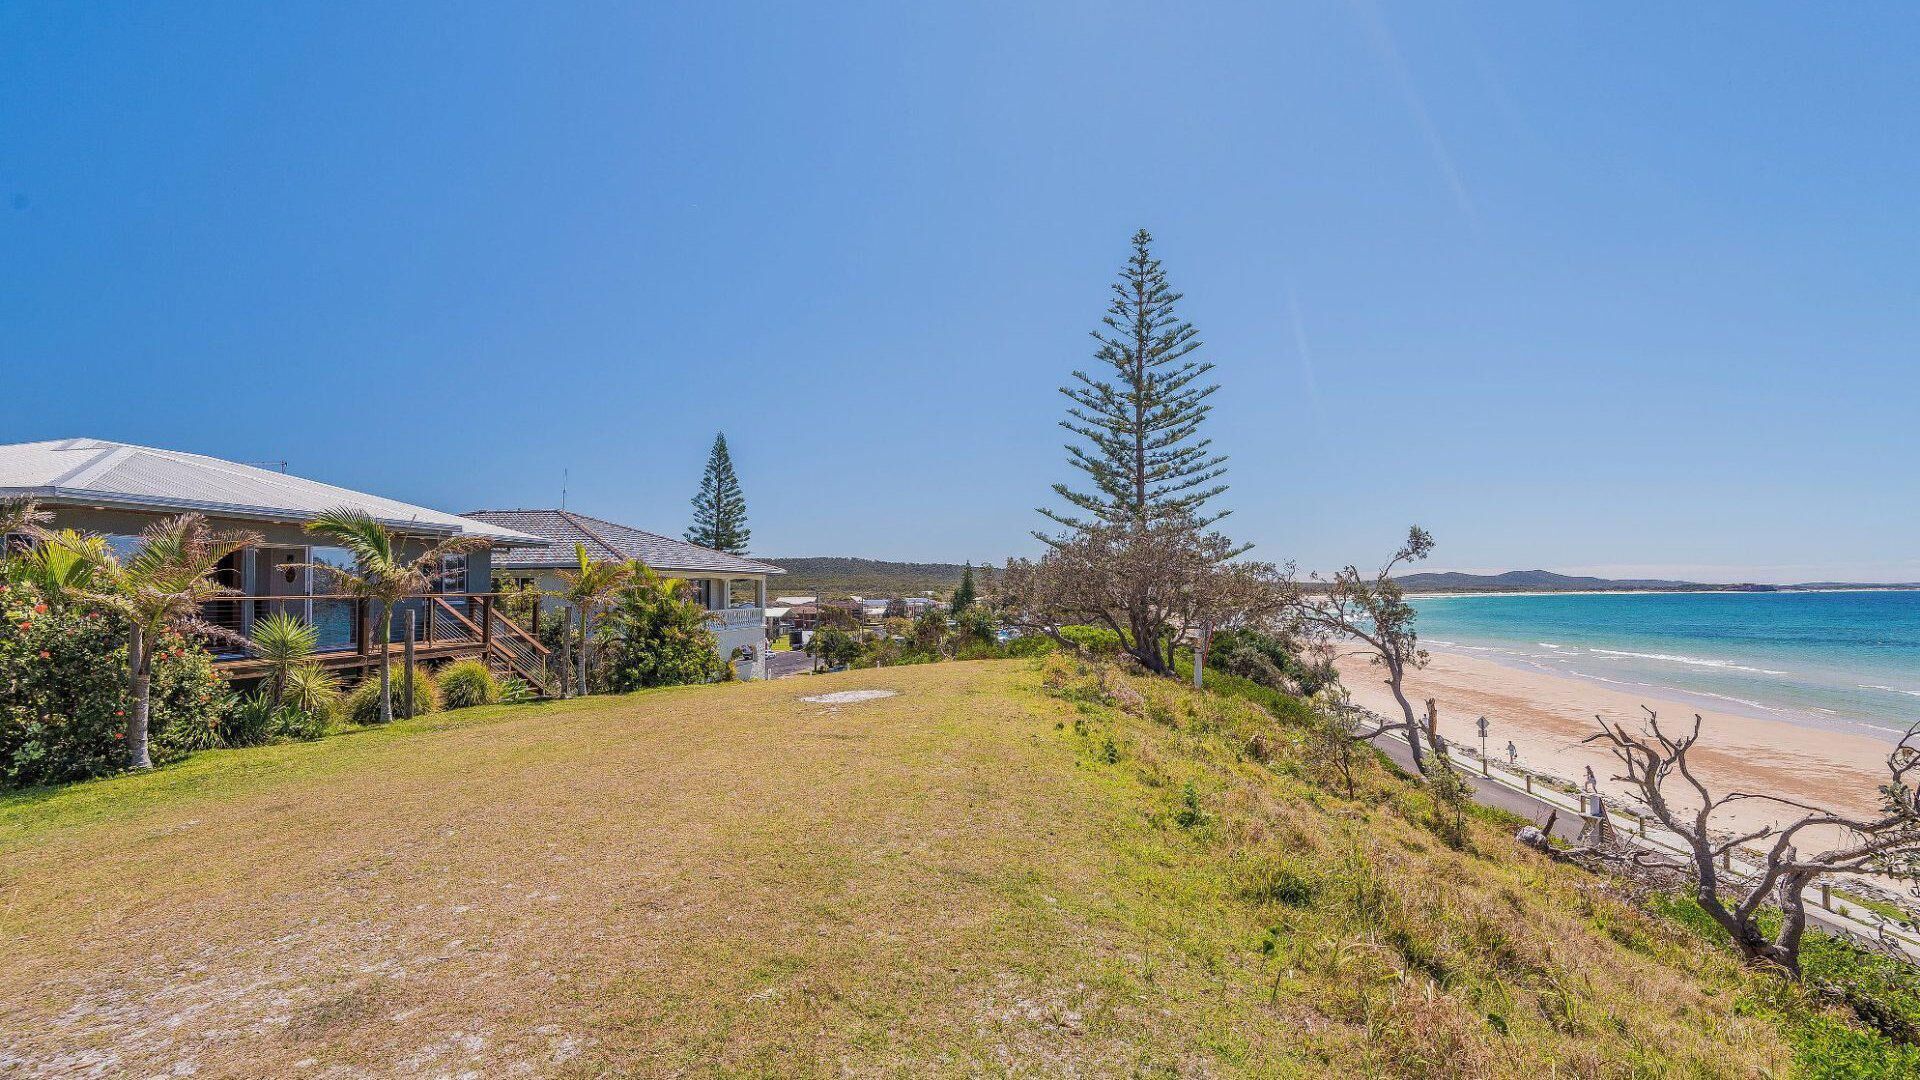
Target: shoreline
column 1547, row 716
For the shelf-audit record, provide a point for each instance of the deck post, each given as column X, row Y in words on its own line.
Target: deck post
column 484, row 604
column 406, row 681
column 363, row 628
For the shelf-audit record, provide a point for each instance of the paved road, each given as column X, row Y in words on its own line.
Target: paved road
column 782, row 664
column 1490, row 793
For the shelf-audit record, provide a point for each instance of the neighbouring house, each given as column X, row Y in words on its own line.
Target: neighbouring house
column 911, row 607
column 115, row 490
column 789, row 601
column 732, row 588
column 869, row 610
column 802, row 616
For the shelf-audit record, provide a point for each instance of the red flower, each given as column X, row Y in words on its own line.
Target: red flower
column 119, row 734
column 26, row 626
column 39, row 609
column 119, row 712
column 45, row 655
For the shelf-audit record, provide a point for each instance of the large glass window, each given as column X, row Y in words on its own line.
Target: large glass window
column 332, row 618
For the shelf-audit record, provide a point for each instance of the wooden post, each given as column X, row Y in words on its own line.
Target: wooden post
column 427, row 632
column 536, row 618
column 364, row 626
column 1826, row 897
column 406, row 681
column 1529, row 779
column 484, row 604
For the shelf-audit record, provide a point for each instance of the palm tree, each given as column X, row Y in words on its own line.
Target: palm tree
column 64, row 562
column 283, row 642
column 19, row 516
column 160, row 589
column 385, row 576
column 590, row 586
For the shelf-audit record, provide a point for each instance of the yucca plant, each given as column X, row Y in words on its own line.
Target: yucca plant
column 314, row 691
column 282, row 640
column 590, row 586
column 160, row 589
column 384, row 576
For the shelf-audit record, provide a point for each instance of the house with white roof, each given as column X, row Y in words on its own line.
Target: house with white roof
column 117, row 489
column 733, row 588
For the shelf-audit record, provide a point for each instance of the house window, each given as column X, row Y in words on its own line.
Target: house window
column 453, row 574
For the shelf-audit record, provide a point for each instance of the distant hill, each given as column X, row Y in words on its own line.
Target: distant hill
column 1548, row 581
column 833, row 576
column 1529, row 580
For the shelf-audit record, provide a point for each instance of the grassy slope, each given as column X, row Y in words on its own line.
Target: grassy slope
column 728, row 879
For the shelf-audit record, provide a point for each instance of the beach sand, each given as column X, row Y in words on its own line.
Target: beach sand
column 1547, row 716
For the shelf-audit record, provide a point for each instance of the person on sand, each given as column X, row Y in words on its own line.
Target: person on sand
column 1513, row 753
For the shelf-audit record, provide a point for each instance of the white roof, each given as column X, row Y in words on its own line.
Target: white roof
column 792, row 600
column 95, row 472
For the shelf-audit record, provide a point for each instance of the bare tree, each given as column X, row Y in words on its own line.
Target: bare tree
column 1374, row 611
column 1145, row 581
column 1887, row 844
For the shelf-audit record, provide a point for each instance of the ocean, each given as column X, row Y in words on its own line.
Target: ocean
column 1845, row 661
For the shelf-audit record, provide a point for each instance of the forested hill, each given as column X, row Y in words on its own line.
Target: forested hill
column 832, row 576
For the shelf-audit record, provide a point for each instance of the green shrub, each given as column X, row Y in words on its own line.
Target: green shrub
column 363, row 702
column 466, row 684
column 64, row 697
column 1097, row 640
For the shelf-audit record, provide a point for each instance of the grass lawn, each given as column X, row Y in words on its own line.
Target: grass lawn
column 976, row 875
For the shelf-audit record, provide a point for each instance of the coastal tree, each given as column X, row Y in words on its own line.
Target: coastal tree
column 1144, row 456
column 1373, row 610
column 160, row 589
column 1145, row 581
column 1886, row 844
column 383, row 575
column 720, row 509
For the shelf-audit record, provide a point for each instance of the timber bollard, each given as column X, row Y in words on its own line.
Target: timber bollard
column 406, row 681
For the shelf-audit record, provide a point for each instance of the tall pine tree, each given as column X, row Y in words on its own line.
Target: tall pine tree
column 1144, row 457
column 965, row 595
column 720, row 510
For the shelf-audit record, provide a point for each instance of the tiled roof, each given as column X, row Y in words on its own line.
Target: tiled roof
column 95, row 472
column 605, row 540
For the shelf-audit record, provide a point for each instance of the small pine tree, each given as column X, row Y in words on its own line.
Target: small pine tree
column 720, row 510
column 1145, row 459
column 964, row 596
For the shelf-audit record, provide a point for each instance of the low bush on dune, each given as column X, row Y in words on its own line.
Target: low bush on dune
column 363, row 701
column 468, row 683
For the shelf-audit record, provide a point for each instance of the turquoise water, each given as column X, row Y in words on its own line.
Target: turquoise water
column 1845, row 661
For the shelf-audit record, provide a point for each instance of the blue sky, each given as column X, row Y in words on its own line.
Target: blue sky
column 1582, row 287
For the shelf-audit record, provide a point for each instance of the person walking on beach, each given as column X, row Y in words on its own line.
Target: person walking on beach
column 1513, row 753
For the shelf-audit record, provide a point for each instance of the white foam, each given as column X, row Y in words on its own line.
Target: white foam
column 1889, row 689
column 1694, row 661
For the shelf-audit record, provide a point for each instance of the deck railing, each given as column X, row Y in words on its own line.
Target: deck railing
column 445, row 624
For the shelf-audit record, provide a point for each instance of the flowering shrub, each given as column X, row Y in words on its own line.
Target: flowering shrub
column 64, row 695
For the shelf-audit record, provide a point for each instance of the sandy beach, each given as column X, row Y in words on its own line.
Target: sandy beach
column 1546, row 717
